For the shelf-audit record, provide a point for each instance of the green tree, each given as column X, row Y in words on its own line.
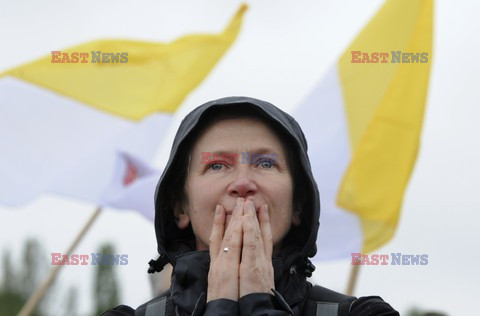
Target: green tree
column 106, row 293
column 17, row 286
column 33, row 267
column 71, row 301
column 10, row 298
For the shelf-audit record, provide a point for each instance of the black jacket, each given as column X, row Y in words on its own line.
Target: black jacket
column 292, row 294
column 187, row 295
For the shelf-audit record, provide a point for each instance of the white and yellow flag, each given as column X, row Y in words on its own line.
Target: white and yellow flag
column 363, row 122
column 63, row 121
column 132, row 186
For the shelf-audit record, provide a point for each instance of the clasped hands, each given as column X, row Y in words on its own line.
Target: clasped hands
column 241, row 253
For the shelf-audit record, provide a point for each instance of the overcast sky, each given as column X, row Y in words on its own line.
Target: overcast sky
column 283, row 49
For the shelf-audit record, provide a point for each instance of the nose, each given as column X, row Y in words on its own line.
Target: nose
column 243, row 185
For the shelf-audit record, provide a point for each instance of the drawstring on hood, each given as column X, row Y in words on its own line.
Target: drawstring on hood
column 173, row 242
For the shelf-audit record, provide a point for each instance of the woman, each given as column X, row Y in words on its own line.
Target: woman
column 237, row 215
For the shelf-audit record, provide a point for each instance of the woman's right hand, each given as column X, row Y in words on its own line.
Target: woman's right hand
column 224, row 266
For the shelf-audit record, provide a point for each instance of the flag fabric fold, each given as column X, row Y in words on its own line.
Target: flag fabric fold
column 363, row 122
column 153, row 77
column 52, row 144
column 63, row 124
column 132, row 186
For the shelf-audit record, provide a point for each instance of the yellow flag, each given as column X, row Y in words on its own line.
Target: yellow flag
column 384, row 107
column 128, row 78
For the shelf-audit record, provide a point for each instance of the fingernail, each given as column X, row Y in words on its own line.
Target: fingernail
column 217, row 210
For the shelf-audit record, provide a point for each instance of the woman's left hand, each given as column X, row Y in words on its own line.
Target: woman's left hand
column 256, row 269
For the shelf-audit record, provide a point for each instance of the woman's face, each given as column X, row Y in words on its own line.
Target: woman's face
column 266, row 178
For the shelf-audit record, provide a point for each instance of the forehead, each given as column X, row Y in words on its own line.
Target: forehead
column 237, row 134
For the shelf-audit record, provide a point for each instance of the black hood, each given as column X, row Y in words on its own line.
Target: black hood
column 173, row 241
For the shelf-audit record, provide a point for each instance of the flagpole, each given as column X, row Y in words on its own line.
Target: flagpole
column 352, row 281
column 40, row 291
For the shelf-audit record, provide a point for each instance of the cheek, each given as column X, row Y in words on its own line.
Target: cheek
column 202, row 190
column 201, row 224
column 284, row 197
column 280, row 225
column 201, row 207
column 281, row 217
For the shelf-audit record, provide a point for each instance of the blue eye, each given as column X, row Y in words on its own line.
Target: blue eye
column 215, row 166
column 266, row 163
